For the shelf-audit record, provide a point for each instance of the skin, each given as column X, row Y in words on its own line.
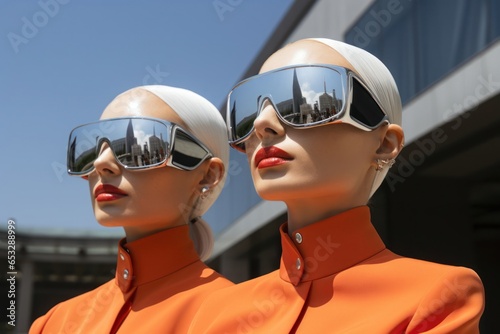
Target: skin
column 332, row 167
column 159, row 198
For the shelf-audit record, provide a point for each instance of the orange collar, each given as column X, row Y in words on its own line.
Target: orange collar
column 152, row 257
column 328, row 246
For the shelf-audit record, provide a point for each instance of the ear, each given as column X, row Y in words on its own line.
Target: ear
column 213, row 173
column 392, row 141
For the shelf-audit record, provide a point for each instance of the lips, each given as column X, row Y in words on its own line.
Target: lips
column 271, row 156
column 107, row 192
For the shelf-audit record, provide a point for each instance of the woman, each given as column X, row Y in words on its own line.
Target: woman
column 320, row 126
column 155, row 162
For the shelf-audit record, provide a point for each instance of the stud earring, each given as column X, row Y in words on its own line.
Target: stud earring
column 204, row 192
column 381, row 163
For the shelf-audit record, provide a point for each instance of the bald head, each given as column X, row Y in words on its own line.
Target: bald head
column 138, row 102
column 305, row 52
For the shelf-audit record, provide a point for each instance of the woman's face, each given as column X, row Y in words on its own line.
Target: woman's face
column 328, row 167
column 148, row 200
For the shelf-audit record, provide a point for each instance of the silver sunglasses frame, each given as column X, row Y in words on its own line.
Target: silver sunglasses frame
column 168, row 161
column 344, row 115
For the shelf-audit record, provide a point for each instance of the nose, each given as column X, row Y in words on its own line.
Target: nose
column 267, row 125
column 106, row 162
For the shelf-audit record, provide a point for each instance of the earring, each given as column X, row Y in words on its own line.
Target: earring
column 381, row 163
column 204, row 192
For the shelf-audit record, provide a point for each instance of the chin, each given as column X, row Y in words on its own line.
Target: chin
column 110, row 222
column 274, row 192
column 110, row 219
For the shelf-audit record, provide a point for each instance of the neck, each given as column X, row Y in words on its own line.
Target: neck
column 313, row 207
column 133, row 233
column 304, row 212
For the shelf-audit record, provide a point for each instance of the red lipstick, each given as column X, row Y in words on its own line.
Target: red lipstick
column 107, row 192
column 271, row 156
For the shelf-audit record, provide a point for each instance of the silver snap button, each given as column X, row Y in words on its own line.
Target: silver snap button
column 298, row 238
column 298, row 264
column 122, row 257
column 125, row 274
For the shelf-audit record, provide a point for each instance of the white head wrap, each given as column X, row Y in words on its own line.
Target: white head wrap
column 205, row 122
column 378, row 79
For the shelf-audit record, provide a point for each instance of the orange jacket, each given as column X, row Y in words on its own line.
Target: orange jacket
column 160, row 283
column 336, row 276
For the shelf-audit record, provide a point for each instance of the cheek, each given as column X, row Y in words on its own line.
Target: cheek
column 336, row 158
column 249, row 156
column 153, row 190
column 92, row 182
column 169, row 186
column 250, row 145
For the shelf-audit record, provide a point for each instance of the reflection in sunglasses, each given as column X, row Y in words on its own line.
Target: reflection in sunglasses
column 150, row 150
column 303, row 96
column 137, row 143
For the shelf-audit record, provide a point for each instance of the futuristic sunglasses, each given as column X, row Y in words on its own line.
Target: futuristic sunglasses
column 303, row 96
column 137, row 143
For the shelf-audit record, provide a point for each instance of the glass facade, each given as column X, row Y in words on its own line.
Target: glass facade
column 422, row 41
column 237, row 197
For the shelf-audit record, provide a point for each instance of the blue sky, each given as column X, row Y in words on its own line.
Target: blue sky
column 63, row 61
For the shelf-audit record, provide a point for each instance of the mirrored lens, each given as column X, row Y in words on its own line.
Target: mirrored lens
column 136, row 143
column 187, row 153
column 364, row 109
column 302, row 96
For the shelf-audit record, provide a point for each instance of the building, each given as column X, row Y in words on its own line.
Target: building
column 50, row 267
column 441, row 201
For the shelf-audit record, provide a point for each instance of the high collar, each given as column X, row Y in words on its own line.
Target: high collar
column 152, row 257
column 328, row 246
